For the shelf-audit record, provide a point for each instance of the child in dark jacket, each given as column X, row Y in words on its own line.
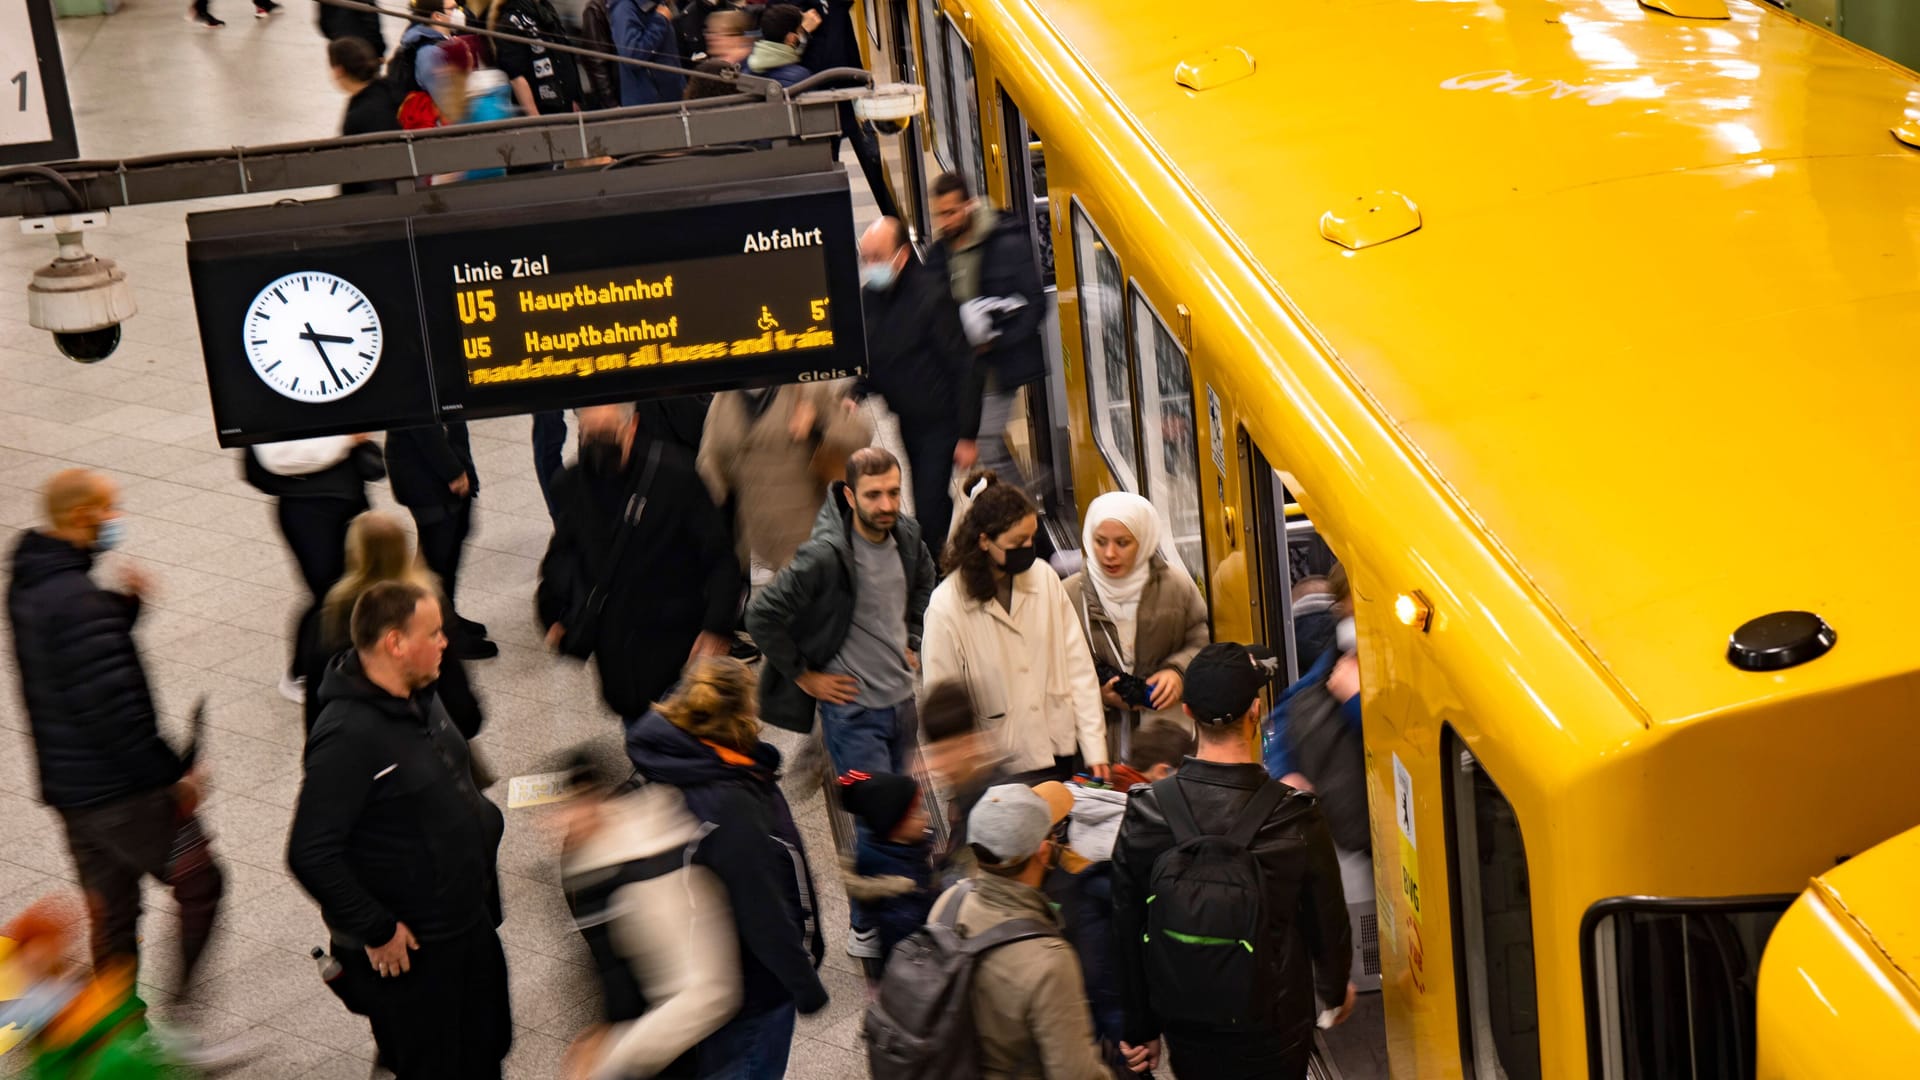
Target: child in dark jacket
column 892, row 873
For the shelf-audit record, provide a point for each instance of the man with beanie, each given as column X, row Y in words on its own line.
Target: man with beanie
column 1029, row 1006
column 1250, row 1016
column 891, row 872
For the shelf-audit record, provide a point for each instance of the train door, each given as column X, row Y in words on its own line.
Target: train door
column 905, row 157
column 1045, row 407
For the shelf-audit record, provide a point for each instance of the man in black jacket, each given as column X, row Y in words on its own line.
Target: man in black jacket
column 126, row 798
column 1304, row 905
column 399, row 848
column 434, row 478
column 990, row 266
column 840, row 628
column 919, row 360
column 672, row 587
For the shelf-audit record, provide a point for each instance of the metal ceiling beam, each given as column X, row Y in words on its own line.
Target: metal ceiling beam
column 403, row 155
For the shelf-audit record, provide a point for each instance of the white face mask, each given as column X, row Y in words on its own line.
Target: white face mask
column 457, row 17
column 1345, row 636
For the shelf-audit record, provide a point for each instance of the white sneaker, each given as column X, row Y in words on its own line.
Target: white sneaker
column 863, row 944
column 187, row 1047
column 294, row 690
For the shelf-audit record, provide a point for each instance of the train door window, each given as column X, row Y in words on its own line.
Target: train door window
column 1672, row 985
column 1291, row 550
column 966, row 109
column 1103, row 339
column 1027, row 197
column 1170, row 448
column 905, row 161
column 933, row 65
column 1493, row 938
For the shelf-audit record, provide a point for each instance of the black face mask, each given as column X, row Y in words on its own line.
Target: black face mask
column 1020, row 559
column 600, row 456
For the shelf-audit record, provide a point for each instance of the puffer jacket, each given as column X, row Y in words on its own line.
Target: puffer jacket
column 1029, row 1001
column 752, row 845
column 89, row 704
column 1305, row 906
column 894, row 885
column 801, row 620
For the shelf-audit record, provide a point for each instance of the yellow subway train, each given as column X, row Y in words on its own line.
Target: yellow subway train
column 1579, row 331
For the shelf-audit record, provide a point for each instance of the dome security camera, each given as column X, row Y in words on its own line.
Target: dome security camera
column 81, row 298
column 890, row 107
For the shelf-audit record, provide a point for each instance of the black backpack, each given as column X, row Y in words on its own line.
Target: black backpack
column 1208, row 948
column 920, row 1026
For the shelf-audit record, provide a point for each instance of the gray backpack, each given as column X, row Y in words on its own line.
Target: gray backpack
column 920, row 1026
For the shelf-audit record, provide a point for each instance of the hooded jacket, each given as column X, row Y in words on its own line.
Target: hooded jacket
column 89, row 705
column 1305, row 906
column 753, row 846
column 1003, row 248
column 918, row 356
column 390, row 827
column 894, row 884
column 802, row 619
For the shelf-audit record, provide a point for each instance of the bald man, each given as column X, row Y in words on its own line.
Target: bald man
column 918, row 359
column 126, row 798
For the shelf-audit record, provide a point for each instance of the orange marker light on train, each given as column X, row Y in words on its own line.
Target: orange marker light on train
column 1412, row 609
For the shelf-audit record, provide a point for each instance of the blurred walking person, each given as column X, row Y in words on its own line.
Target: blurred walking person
column 772, row 452
column 434, row 478
column 397, row 845
column 318, row 486
column 641, row 573
column 127, row 800
column 705, row 741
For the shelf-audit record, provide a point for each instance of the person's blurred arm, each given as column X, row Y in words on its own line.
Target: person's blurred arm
column 1141, row 1025
column 772, row 613
column 721, row 440
column 1323, row 913
column 707, row 530
column 843, row 429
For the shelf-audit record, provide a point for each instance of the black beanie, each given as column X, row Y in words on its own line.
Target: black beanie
column 879, row 801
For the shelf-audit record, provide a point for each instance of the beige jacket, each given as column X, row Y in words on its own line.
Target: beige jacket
column 1029, row 1001
column 1170, row 629
column 677, row 931
column 1028, row 669
column 757, row 462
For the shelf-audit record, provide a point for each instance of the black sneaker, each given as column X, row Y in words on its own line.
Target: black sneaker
column 469, row 627
column 207, row 21
column 468, row 648
column 264, row 8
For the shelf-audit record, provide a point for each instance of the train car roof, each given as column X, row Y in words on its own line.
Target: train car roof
column 1653, row 329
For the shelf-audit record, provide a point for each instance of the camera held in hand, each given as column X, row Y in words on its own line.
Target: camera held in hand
column 1131, row 689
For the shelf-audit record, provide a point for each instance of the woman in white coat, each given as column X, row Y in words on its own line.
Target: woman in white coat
column 1002, row 624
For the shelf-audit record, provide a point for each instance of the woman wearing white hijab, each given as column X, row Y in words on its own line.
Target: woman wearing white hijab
column 1143, row 615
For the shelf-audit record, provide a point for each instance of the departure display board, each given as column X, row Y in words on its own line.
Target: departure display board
column 477, row 304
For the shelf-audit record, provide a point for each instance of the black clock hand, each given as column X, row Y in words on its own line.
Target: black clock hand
column 322, row 350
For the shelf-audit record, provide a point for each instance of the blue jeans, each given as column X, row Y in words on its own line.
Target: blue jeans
column 873, row 741
column 549, row 443
column 749, row 1047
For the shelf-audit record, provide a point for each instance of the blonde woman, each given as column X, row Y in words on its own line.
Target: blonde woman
column 378, row 550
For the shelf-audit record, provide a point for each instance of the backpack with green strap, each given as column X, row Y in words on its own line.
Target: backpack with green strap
column 1208, row 948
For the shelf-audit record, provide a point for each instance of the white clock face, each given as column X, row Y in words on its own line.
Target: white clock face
column 313, row 336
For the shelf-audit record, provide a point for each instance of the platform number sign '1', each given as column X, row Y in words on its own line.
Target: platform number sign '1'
column 35, row 122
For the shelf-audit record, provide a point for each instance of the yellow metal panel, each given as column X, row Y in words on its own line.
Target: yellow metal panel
column 1838, row 999
column 1690, row 9
column 1214, row 68
column 1367, row 220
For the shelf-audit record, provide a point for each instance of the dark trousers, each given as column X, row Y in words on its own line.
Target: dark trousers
column 116, row 845
column 549, row 444
column 867, row 149
column 443, row 539
column 1240, row 1055
column 930, row 457
column 316, row 533
column 448, row 1017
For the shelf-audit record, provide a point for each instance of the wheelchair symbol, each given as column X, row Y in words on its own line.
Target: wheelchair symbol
column 767, row 321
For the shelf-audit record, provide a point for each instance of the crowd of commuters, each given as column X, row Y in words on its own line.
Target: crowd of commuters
column 1065, row 774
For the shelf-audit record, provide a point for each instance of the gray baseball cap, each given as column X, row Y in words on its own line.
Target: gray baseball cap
column 1011, row 822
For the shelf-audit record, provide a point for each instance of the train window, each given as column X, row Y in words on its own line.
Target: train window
column 1103, row 337
column 933, row 49
column 1493, row 938
column 966, row 109
column 1170, row 448
column 1671, row 985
